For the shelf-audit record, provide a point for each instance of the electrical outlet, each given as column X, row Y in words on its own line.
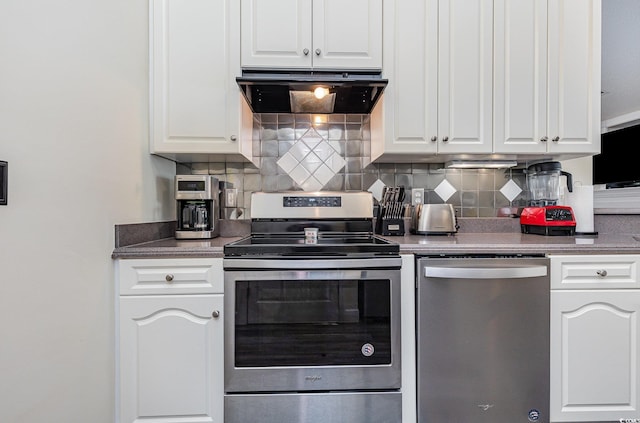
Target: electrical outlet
column 231, row 197
column 417, row 196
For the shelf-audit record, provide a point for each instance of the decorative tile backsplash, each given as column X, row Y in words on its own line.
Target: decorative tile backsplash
column 333, row 153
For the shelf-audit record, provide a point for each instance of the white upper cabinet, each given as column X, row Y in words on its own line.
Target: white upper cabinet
column 195, row 101
column 439, row 60
column 489, row 77
column 305, row 34
column 521, row 76
column 465, row 66
column 575, row 28
column 547, row 76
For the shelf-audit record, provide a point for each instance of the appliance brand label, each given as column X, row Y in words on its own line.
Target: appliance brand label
column 534, row 415
column 367, row 350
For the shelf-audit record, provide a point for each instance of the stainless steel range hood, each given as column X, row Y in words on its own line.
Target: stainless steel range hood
column 311, row 92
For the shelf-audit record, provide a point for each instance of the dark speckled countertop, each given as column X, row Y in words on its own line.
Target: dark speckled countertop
column 617, row 235
column 509, row 243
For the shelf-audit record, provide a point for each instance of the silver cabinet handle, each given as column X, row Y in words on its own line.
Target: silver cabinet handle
column 601, row 273
column 544, row 139
column 434, row 138
column 305, row 51
column 555, row 139
column 318, row 52
column 445, row 139
column 215, row 314
column 233, row 138
column 169, row 278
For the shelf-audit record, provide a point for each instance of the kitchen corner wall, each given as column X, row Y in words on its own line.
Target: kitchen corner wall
column 333, row 152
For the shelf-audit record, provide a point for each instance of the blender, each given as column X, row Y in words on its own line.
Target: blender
column 543, row 215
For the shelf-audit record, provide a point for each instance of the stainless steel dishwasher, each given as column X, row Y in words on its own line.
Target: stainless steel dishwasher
column 483, row 339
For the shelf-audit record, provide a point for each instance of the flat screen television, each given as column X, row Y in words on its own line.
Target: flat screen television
column 618, row 164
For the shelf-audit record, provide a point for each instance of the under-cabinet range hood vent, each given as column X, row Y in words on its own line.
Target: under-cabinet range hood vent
column 311, row 92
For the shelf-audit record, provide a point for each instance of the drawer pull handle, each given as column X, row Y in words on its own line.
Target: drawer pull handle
column 215, row 314
column 169, row 278
column 601, row 273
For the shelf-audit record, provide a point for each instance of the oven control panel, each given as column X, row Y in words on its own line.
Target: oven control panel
column 296, row 201
column 312, row 205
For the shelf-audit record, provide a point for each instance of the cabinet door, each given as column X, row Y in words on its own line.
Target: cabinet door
column 195, row 101
column 171, row 358
column 406, row 119
column 465, row 76
column 595, row 355
column 438, row 59
column 347, row 34
column 276, row 33
column 574, row 76
column 520, row 91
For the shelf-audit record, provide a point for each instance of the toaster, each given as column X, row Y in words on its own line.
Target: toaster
column 434, row 219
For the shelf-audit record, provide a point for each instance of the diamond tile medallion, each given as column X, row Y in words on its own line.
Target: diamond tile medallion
column 445, row 190
column 311, row 161
column 510, row 190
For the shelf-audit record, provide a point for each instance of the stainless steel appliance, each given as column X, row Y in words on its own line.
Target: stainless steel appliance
column 483, row 339
column 315, row 331
column 197, row 206
column 434, row 219
column 544, row 216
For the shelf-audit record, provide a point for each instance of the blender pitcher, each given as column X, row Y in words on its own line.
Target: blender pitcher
column 543, row 180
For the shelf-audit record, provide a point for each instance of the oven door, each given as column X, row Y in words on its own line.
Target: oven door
column 312, row 324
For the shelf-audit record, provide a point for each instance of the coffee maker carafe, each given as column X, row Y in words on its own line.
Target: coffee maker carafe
column 197, row 208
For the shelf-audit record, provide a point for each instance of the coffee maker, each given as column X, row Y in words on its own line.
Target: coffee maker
column 544, row 216
column 197, row 206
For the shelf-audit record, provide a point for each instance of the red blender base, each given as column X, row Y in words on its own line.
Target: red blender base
column 548, row 220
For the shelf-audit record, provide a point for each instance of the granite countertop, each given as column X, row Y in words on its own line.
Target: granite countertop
column 171, row 247
column 461, row 243
column 504, row 243
column 618, row 235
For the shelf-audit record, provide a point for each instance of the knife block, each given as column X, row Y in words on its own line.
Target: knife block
column 388, row 226
column 392, row 227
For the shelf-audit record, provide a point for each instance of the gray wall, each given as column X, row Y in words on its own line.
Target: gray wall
column 74, row 125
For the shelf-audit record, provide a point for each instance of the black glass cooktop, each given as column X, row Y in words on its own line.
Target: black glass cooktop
column 334, row 245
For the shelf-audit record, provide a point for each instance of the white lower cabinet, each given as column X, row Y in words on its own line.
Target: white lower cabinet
column 595, row 338
column 170, row 341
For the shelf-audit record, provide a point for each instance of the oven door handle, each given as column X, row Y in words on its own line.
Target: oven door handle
column 313, row 264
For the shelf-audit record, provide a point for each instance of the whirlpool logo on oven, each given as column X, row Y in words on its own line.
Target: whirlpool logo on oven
column 367, row 350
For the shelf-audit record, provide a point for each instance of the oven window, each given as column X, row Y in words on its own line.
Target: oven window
column 312, row 323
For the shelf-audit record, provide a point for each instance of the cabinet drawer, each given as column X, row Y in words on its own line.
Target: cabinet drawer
column 592, row 272
column 170, row 276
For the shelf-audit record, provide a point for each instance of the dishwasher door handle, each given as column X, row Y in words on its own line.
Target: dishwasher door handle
column 484, row 272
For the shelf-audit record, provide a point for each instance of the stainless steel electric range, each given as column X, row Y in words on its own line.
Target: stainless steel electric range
column 315, row 331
